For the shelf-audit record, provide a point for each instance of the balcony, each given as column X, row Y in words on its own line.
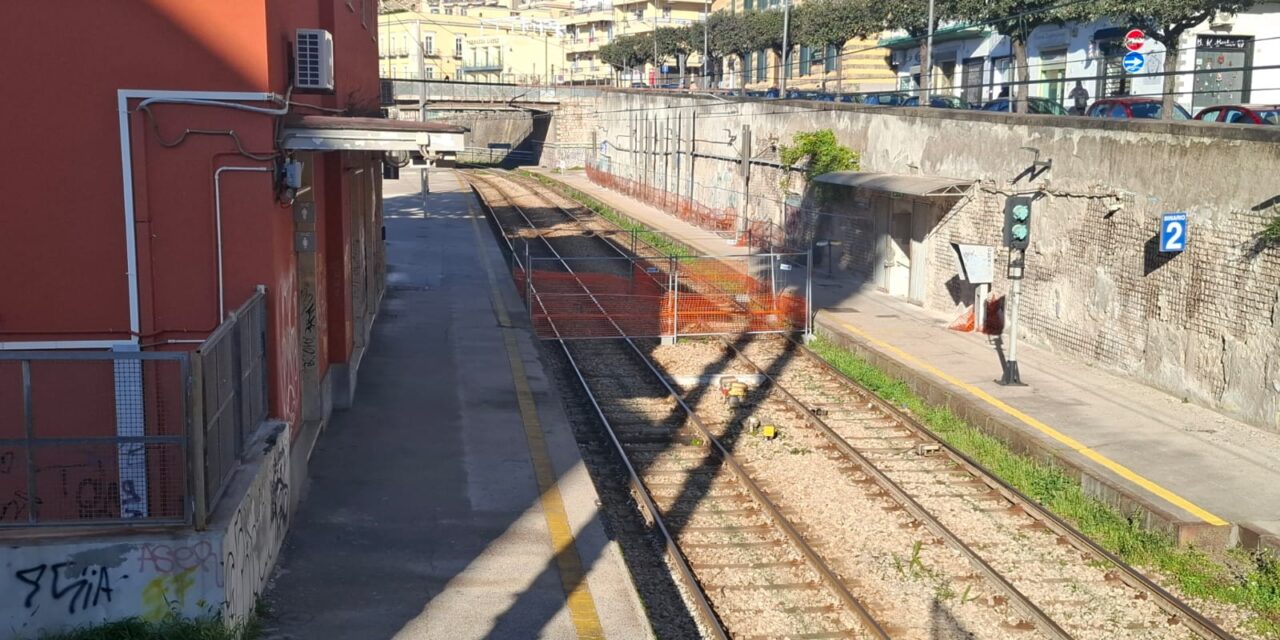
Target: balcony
column 583, row 45
column 589, row 15
column 478, row 65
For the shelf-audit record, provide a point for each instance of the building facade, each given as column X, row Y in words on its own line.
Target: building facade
column 858, row 66
column 471, row 44
column 1216, row 62
column 187, row 300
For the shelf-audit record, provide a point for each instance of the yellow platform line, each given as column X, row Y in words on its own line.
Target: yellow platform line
column 582, row 608
column 1072, row 443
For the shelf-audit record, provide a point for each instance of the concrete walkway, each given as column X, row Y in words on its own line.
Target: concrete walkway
column 1191, row 466
column 450, row 501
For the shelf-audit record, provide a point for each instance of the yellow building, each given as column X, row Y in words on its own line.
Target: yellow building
column 863, row 64
column 470, row 43
column 550, row 41
column 592, row 24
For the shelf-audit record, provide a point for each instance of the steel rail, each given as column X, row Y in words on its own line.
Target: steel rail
column 1019, row 600
column 1131, row 576
column 833, row 581
column 705, row 612
column 815, row 561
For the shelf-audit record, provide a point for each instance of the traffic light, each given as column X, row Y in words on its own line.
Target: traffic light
column 1017, row 222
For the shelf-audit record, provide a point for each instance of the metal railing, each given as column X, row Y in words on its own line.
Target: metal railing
column 95, row 437
column 231, row 371
column 453, row 91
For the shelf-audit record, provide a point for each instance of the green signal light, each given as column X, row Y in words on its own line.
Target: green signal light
column 1021, row 212
column 1019, row 231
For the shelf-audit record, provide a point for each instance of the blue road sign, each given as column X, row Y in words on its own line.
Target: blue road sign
column 1173, row 232
column 1134, row 61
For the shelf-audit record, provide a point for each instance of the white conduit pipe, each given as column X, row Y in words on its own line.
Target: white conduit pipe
column 217, row 222
column 217, row 103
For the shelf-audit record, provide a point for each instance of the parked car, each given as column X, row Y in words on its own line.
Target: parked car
column 939, row 102
column 851, row 97
column 1147, row 108
column 886, row 99
column 1043, row 106
column 1241, row 114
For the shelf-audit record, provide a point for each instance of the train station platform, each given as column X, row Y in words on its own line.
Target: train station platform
column 450, row 501
column 1209, row 479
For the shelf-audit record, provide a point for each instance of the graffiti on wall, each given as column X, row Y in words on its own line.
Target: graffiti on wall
column 256, row 531
column 59, row 585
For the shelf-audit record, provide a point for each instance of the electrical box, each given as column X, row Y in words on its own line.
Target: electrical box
column 313, row 60
column 293, row 174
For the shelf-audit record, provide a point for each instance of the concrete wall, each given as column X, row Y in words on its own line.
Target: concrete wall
column 1203, row 325
column 54, row 584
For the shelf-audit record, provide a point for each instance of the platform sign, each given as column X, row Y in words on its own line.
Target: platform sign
column 977, row 262
column 1135, row 39
column 1173, row 232
column 1134, row 61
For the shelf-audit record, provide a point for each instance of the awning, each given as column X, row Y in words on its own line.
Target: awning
column 894, row 183
column 340, row 133
column 943, row 34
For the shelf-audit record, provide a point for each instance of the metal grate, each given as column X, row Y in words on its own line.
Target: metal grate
column 94, row 437
column 232, row 369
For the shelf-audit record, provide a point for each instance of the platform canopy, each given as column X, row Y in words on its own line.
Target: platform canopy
column 343, row 133
column 896, row 183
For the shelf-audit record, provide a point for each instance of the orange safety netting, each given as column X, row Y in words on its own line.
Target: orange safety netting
column 711, row 298
column 758, row 233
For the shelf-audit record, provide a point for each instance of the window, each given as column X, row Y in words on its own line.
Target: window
column 746, row 67
column 429, row 44
column 1053, row 72
column 666, row 13
column 832, row 58
column 762, row 66
column 457, row 46
column 1098, row 111
column 806, row 60
column 748, row 5
column 429, row 73
column 1234, row 115
column 1269, row 116
column 1119, row 111
column 1211, row 115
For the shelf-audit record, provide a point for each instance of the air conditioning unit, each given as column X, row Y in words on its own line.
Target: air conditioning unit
column 313, row 60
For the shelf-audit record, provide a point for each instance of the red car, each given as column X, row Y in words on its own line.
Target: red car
column 1241, row 114
column 1132, row 108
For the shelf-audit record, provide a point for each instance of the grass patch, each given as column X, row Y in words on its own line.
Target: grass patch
column 1250, row 580
column 170, row 628
column 660, row 242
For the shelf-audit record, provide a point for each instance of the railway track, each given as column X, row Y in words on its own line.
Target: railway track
column 743, row 525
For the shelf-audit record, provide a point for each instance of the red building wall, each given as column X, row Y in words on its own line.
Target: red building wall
column 63, row 247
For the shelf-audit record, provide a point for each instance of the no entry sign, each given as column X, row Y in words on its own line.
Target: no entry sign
column 1134, row 40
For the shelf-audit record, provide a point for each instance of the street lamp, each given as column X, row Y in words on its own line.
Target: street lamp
column 786, row 21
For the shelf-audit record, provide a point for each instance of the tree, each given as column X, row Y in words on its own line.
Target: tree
column 833, row 23
column 1165, row 21
column 728, row 35
column 1016, row 19
column 912, row 16
column 627, row 52
column 764, row 31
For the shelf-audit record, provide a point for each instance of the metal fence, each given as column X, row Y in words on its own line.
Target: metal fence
column 453, row 91
column 231, row 371
column 667, row 296
column 751, row 234
column 129, row 437
column 94, row 437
